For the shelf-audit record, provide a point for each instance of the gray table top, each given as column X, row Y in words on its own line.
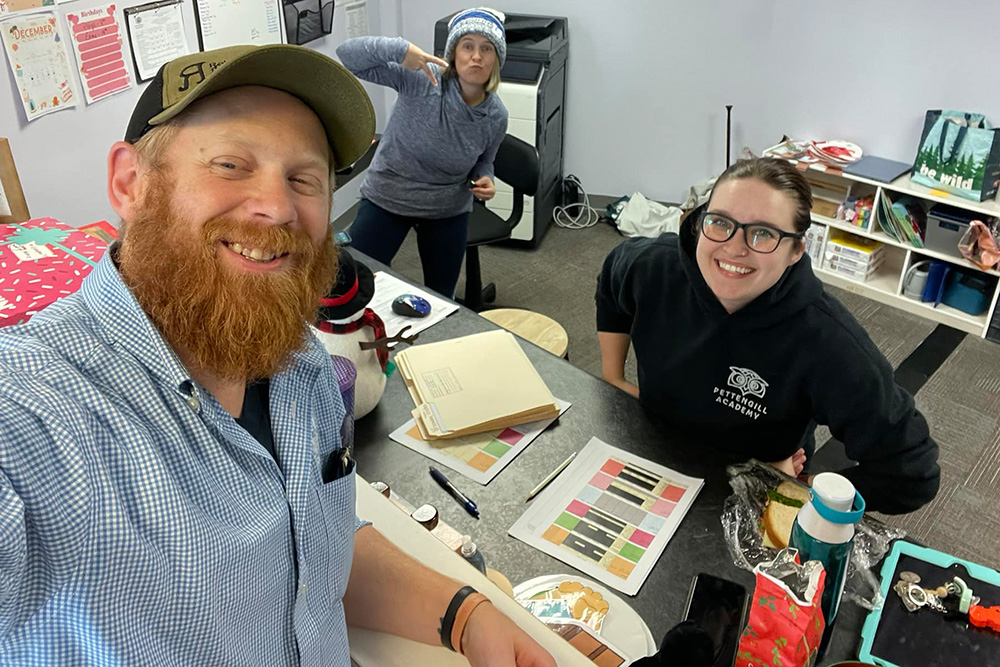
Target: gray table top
column 600, row 410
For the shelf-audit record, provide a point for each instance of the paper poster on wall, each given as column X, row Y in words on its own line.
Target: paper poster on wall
column 38, row 60
column 156, row 33
column 231, row 22
column 11, row 6
column 97, row 41
column 357, row 18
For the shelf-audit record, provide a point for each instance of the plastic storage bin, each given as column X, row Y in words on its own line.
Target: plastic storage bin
column 945, row 227
column 968, row 293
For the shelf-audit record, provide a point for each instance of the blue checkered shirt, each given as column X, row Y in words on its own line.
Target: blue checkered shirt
column 140, row 524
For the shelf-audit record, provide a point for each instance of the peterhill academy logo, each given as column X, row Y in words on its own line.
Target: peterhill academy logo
column 747, row 382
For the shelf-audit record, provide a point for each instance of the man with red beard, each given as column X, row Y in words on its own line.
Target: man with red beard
column 173, row 485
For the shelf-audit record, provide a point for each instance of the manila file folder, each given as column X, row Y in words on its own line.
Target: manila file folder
column 473, row 384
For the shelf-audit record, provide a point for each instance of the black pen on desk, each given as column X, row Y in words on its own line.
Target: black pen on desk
column 462, row 499
column 552, row 476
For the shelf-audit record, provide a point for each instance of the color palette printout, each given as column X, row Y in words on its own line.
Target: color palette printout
column 610, row 514
column 481, row 456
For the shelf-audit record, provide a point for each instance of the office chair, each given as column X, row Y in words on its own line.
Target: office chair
column 516, row 164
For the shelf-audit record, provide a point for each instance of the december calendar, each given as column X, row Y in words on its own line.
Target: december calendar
column 610, row 514
column 36, row 52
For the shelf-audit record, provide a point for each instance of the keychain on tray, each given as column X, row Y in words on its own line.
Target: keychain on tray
column 955, row 591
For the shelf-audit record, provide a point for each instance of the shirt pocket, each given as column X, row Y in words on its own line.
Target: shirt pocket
column 337, row 502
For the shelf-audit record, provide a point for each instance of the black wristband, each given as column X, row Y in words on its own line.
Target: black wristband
column 448, row 620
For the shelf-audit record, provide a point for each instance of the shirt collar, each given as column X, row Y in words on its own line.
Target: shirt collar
column 126, row 324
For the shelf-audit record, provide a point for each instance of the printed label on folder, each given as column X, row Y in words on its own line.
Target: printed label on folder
column 441, row 382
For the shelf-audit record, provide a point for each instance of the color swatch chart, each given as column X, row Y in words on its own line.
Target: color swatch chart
column 479, row 457
column 610, row 514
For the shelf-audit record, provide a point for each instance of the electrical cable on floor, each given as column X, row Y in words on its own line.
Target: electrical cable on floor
column 588, row 216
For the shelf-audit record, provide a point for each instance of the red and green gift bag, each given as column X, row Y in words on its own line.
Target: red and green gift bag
column 785, row 628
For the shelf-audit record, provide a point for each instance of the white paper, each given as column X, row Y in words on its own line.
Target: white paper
column 387, row 288
column 156, row 33
column 357, row 19
column 604, row 487
column 4, row 204
column 232, row 22
column 30, row 251
column 12, row 6
column 97, row 41
column 481, row 456
column 36, row 52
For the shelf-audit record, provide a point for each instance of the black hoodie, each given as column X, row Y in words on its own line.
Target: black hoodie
column 754, row 380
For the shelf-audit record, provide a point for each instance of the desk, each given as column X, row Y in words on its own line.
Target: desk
column 598, row 410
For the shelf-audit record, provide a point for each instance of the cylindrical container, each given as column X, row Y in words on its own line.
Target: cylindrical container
column 471, row 554
column 916, row 280
column 426, row 515
column 824, row 531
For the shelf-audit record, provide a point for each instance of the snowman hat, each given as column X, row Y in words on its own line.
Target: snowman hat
column 353, row 290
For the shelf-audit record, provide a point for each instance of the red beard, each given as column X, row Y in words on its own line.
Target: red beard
column 237, row 326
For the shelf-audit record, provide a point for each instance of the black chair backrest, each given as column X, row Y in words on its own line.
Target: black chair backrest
column 516, row 164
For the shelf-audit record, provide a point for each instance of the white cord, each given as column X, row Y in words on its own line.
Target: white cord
column 587, row 217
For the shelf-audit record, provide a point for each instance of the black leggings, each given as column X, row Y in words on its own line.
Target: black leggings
column 441, row 242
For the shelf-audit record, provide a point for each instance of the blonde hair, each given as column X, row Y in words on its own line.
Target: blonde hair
column 151, row 148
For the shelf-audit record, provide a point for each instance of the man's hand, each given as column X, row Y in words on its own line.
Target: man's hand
column 484, row 189
column 793, row 465
column 417, row 59
column 491, row 639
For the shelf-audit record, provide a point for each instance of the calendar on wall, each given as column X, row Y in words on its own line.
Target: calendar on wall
column 36, row 52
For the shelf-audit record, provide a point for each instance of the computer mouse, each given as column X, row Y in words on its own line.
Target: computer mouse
column 411, row 305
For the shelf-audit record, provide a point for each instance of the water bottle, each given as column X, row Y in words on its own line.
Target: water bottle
column 471, row 554
column 824, row 531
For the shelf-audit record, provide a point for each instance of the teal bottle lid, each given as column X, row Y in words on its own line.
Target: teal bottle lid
column 836, row 516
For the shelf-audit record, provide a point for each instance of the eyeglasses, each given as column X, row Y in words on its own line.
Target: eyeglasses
column 758, row 236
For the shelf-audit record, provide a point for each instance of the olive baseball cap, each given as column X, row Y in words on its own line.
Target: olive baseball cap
column 323, row 84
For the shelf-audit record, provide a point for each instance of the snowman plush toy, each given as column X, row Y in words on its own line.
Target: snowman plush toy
column 349, row 329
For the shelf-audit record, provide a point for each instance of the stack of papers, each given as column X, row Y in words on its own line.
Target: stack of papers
column 905, row 220
column 473, row 384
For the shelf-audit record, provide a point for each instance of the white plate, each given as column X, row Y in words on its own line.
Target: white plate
column 622, row 626
column 845, row 151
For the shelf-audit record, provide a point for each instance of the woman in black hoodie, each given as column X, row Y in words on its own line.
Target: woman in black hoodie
column 737, row 341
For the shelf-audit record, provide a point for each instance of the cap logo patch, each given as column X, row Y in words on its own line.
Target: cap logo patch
column 197, row 70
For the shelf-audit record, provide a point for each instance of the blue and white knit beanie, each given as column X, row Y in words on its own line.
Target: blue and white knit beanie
column 481, row 21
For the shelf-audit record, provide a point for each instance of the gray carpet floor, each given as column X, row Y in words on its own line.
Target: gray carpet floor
column 961, row 400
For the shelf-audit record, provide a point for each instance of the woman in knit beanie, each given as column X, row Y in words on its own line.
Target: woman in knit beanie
column 438, row 148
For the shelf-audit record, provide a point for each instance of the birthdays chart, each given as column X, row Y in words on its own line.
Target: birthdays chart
column 97, row 40
column 610, row 514
column 36, row 52
column 480, row 456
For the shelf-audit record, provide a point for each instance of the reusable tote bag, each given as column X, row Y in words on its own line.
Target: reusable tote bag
column 959, row 153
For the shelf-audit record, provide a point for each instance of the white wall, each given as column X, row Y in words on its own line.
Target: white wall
column 647, row 88
column 649, row 80
column 61, row 158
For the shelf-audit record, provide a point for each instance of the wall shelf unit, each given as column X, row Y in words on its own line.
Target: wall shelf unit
column 887, row 283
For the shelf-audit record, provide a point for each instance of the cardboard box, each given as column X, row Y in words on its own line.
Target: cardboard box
column 849, row 245
column 42, row 261
column 850, row 268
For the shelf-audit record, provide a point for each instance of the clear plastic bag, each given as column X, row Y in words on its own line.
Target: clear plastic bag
column 741, row 525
